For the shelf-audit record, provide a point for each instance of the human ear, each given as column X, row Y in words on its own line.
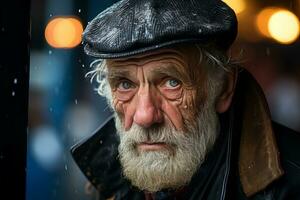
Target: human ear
column 224, row 100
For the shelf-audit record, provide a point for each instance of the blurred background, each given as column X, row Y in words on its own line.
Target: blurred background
column 64, row 107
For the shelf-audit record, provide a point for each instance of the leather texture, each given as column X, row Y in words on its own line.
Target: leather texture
column 248, row 136
column 131, row 27
column 259, row 163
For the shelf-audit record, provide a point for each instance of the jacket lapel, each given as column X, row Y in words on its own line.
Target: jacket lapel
column 97, row 157
column 259, row 163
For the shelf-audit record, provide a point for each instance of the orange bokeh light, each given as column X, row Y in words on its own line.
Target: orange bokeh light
column 64, row 32
column 263, row 18
column 279, row 24
column 237, row 5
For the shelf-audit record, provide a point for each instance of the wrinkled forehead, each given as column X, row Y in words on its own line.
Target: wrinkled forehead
column 183, row 55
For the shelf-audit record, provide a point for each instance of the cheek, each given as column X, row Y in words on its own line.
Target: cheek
column 184, row 110
column 190, row 104
column 125, row 110
column 173, row 113
column 180, row 107
column 118, row 106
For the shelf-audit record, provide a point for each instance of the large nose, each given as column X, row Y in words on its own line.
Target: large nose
column 147, row 110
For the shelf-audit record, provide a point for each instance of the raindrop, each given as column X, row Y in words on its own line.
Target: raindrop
column 50, row 15
column 50, row 109
column 15, row 81
column 13, row 93
column 200, row 30
column 101, row 141
column 49, row 52
column 56, row 90
column 66, row 167
column 82, row 65
column 69, row 126
column 268, row 51
column 76, row 102
column 79, row 10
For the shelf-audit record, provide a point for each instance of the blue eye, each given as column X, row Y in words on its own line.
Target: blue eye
column 125, row 85
column 172, row 83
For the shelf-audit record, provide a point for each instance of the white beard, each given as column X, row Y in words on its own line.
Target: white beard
column 169, row 168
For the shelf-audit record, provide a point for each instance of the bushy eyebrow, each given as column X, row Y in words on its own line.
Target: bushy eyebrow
column 118, row 73
column 115, row 74
column 169, row 70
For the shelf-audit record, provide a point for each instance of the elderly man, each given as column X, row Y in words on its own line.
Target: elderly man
column 187, row 123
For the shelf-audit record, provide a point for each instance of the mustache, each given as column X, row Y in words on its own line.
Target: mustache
column 158, row 133
column 155, row 134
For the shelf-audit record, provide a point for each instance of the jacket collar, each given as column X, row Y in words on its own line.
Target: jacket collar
column 259, row 163
column 97, row 157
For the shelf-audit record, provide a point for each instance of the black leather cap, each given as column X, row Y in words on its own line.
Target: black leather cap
column 131, row 27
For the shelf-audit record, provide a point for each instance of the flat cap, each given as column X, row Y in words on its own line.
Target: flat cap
column 131, row 27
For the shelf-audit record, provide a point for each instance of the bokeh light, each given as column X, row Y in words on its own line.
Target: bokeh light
column 64, row 32
column 237, row 5
column 284, row 26
column 46, row 147
column 263, row 18
column 278, row 24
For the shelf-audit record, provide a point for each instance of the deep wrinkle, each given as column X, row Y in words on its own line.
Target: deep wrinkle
column 148, row 76
column 152, row 89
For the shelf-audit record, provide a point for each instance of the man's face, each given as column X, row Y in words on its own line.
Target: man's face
column 156, row 88
column 165, row 122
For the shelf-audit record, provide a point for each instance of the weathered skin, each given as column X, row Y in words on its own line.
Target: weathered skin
column 151, row 98
column 166, row 86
